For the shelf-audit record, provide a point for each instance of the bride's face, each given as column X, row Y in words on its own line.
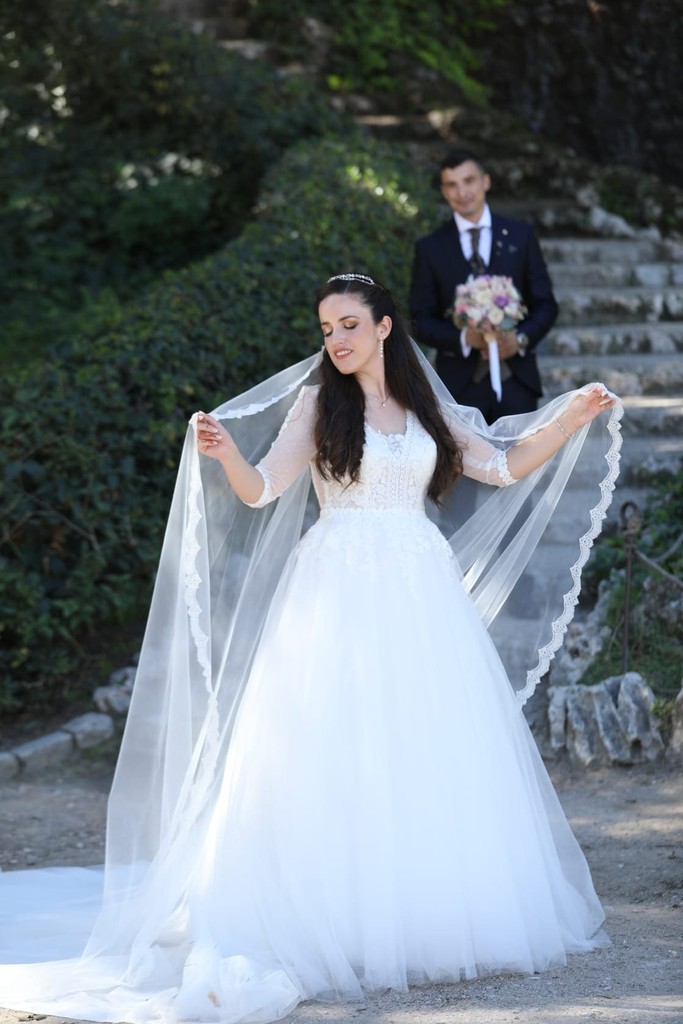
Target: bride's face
column 351, row 336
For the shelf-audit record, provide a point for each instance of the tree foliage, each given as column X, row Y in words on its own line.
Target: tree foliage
column 128, row 146
column 379, row 45
column 90, row 438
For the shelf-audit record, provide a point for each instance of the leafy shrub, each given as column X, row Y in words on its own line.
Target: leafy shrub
column 382, row 45
column 90, row 438
column 655, row 640
column 128, row 146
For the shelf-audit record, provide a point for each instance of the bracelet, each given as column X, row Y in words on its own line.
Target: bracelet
column 568, row 436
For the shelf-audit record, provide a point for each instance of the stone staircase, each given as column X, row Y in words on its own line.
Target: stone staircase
column 621, row 322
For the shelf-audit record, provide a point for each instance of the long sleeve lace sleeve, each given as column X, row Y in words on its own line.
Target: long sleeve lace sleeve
column 481, row 460
column 291, row 450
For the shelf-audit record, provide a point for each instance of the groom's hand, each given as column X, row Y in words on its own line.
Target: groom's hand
column 475, row 339
column 507, row 344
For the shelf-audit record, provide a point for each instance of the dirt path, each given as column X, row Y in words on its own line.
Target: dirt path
column 629, row 822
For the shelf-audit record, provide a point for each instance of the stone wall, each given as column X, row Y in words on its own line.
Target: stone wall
column 602, row 76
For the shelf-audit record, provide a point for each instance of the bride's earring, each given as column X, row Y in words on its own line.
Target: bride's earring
column 381, row 346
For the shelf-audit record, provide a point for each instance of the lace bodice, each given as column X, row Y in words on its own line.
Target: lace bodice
column 395, row 471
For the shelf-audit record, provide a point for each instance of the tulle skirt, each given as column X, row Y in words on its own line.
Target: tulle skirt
column 383, row 818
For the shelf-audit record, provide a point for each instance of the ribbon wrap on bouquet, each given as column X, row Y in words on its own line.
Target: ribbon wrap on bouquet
column 488, row 304
column 494, row 365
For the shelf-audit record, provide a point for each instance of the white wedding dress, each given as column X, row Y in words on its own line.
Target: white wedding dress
column 382, row 817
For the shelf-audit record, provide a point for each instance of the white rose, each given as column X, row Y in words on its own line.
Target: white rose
column 496, row 316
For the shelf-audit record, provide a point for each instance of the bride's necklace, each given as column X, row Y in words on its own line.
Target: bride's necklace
column 377, row 398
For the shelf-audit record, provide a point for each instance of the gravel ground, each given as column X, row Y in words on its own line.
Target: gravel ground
column 629, row 822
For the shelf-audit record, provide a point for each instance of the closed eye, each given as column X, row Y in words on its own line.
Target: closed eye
column 348, row 326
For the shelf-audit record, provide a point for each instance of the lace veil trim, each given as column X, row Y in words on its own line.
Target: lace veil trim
column 220, row 565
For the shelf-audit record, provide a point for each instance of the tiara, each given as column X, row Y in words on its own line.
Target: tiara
column 351, row 277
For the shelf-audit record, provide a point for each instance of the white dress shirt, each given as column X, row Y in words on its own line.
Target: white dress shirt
column 485, row 241
column 485, row 234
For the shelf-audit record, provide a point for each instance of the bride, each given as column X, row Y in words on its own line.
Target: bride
column 326, row 784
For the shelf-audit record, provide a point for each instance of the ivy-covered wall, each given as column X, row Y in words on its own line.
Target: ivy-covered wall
column 603, row 76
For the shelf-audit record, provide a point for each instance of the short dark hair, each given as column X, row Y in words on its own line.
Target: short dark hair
column 455, row 157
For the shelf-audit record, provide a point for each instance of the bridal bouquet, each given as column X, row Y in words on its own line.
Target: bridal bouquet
column 489, row 304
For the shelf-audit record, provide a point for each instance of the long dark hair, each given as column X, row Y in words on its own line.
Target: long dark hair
column 340, row 422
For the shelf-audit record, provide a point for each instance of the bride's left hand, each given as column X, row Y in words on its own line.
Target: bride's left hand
column 584, row 406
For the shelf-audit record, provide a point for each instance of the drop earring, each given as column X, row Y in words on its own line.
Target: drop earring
column 381, row 346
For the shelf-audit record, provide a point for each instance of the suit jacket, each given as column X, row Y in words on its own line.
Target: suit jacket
column 439, row 265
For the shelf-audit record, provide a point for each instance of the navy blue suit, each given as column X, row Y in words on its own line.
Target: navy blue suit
column 438, row 266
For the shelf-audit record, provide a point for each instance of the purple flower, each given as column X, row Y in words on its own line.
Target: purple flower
column 501, row 300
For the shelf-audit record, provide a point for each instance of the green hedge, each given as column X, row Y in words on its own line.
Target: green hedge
column 400, row 47
column 90, row 439
column 128, row 146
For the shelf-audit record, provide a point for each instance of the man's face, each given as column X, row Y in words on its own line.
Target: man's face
column 464, row 188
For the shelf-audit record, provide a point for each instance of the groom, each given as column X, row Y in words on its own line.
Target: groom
column 475, row 241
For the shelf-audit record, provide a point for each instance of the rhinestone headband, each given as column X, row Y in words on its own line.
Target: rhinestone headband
column 351, row 277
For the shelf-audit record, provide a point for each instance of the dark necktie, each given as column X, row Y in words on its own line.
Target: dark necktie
column 476, row 262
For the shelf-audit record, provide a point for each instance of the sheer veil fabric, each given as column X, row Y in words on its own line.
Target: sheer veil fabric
column 85, row 942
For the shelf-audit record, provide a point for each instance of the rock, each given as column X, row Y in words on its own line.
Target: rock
column 583, row 641
column 611, row 723
column 582, row 732
column 124, row 678
column 674, row 750
column 112, row 700
column 588, row 196
column 566, row 344
column 90, row 729
column 9, row 766
column 609, row 224
column 635, row 702
column 652, row 275
column 622, row 383
column 45, row 751
column 557, row 716
column 664, row 602
column 536, row 714
column 660, row 342
column 673, row 303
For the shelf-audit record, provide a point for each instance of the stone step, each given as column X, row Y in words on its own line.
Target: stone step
column 643, row 458
column 648, row 416
column 549, row 215
column 564, row 522
column 662, row 338
column 610, row 250
column 616, row 275
column 564, row 216
column 604, row 305
column 625, row 374
column 653, row 415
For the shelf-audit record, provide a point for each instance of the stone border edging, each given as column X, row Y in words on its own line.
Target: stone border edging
column 81, row 733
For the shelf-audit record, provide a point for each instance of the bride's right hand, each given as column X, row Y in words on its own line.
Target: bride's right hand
column 213, row 439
